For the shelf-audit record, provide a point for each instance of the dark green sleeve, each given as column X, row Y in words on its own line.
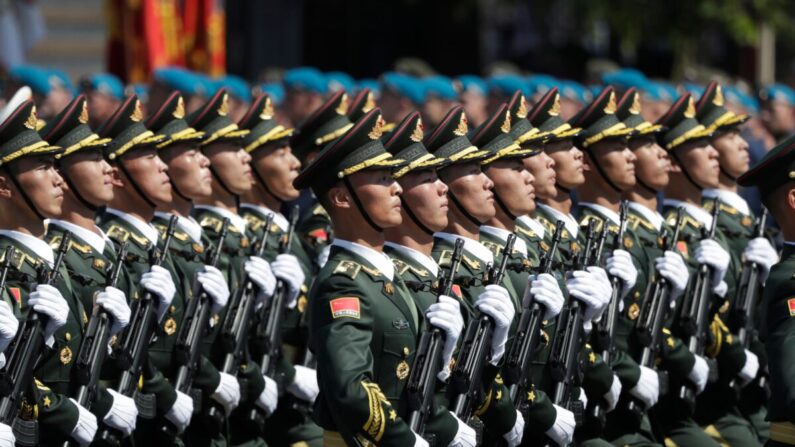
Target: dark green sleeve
column 597, row 375
column 675, row 357
column 540, row 416
column 57, row 415
column 626, row 368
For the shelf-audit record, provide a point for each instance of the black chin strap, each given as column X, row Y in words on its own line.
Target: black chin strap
column 464, row 210
column 644, row 185
column 261, row 181
column 726, row 173
column 562, row 188
column 360, row 207
column 503, row 206
column 76, row 192
column 223, row 185
column 25, row 197
column 603, row 173
column 684, row 171
column 135, row 185
column 414, row 218
column 179, row 193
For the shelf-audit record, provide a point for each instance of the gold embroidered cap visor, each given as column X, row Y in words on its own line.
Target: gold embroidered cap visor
column 266, row 132
column 135, row 136
column 775, row 169
column 69, row 130
column 178, row 131
column 686, row 130
column 18, row 137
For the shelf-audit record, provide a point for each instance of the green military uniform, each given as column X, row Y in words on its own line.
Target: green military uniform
column 776, row 170
column 291, row 423
column 364, row 325
column 326, row 124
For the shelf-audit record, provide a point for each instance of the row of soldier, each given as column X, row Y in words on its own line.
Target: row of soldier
column 438, row 290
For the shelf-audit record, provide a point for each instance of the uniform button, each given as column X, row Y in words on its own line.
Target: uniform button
column 406, row 350
column 68, row 336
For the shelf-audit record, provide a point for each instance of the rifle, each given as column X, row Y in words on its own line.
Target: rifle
column 695, row 313
column 475, row 351
column 428, row 361
column 187, row 350
column 236, row 323
column 565, row 351
column 649, row 325
column 135, row 339
column 603, row 335
column 269, row 335
column 17, row 377
column 525, row 342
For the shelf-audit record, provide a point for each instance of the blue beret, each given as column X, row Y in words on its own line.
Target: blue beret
column 338, row 80
column 372, row 84
column 737, row 96
column 139, row 90
column 305, row 78
column 35, row 77
column 404, row 85
column 473, row 83
column 660, row 91
column 236, row 86
column 59, row 78
column 107, row 84
column 575, row 91
column 541, row 83
column 507, row 84
column 625, row 78
column 187, row 82
column 274, row 90
column 695, row 89
column 441, row 86
column 778, row 92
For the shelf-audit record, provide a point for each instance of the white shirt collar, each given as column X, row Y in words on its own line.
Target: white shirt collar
column 238, row 222
column 278, row 218
column 730, row 198
column 604, row 211
column 377, row 259
column 695, row 211
column 472, row 246
column 186, row 224
column 568, row 220
column 651, row 215
column 502, row 234
column 536, row 226
column 34, row 244
column 420, row 258
column 96, row 241
column 143, row 227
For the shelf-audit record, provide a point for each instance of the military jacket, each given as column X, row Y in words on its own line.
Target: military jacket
column 314, row 229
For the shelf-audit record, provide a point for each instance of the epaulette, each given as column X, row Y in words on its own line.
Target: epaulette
column 709, row 205
column 496, row 249
column 178, row 235
column 587, row 220
column 55, row 242
column 529, row 233
column 19, row 257
column 445, row 258
column 347, row 268
column 120, row 234
column 253, row 221
column 400, row 266
column 547, row 224
column 318, row 210
column 634, row 221
column 472, row 263
column 212, row 223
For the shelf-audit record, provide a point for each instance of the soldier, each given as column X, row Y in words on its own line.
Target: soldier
column 31, row 190
column 773, row 176
column 472, row 204
column 649, row 228
column 695, row 167
column 231, row 178
column 274, row 168
column 401, row 94
column 364, row 324
column 90, row 253
column 139, row 183
column 304, row 90
column 190, row 178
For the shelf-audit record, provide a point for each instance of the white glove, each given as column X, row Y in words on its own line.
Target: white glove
column 588, row 286
column 514, row 435
column 419, row 441
column 465, row 436
column 304, row 384
column 612, row 395
column 287, row 268
column 620, row 265
column 181, row 412
column 268, row 400
column 47, row 300
column 721, row 289
column 562, row 431
column 446, row 315
column 699, row 374
column 7, row 438
column 8, row 327
column 648, row 387
column 228, row 392
column 86, row 426
column 672, row 267
column 158, row 281
column 583, row 398
column 259, row 271
column 322, row 256
column 545, row 290
column 214, row 283
column 750, row 368
column 763, row 254
column 711, row 253
column 114, row 301
column 496, row 303
column 122, row 414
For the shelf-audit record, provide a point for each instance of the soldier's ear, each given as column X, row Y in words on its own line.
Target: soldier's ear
column 791, row 198
column 675, row 165
column 115, row 177
column 5, row 190
column 339, row 197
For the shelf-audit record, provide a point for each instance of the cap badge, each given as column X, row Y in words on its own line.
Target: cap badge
column 690, row 112
column 418, row 133
column 223, row 109
column 342, row 108
column 463, row 126
column 718, row 99
column 610, row 108
column 378, row 129
column 137, row 114
column 267, row 110
column 32, row 121
column 179, row 111
column 635, row 108
column 523, row 108
column 83, row 118
column 555, row 109
column 506, row 124
column 369, row 104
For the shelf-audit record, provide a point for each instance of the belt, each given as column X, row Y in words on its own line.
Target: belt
column 783, row 432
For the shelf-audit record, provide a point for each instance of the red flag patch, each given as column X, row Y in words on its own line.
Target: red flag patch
column 319, row 235
column 456, row 289
column 345, row 307
column 791, row 307
column 682, row 247
column 15, row 293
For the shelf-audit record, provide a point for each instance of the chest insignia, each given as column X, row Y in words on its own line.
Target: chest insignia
column 65, row 356
column 388, row 288
column 633, row 312
column 99, row 264
column 402, row 370
column 170, row 326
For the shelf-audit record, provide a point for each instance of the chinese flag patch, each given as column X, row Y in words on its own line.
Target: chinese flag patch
column 791, row 307
column 319, row 235
column 456, row 291
column 682, row 247
column 15, row 293
column 345, row 307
